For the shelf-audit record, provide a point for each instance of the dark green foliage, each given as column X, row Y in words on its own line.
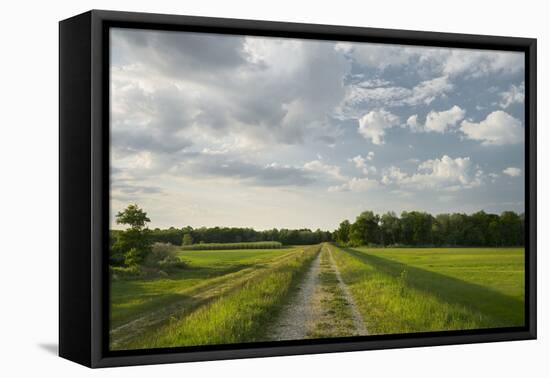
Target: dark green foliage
column 187, row 239
column 188, row 235
column 208, row 235
column 417, row 228
column 139, row 237
column 171, row 235
column 116, row 254
column 134, row 244
column 122, row 272
column 511, row 228
column 390, row 229
column 132, row 257
column 341, row 235
column 366, row 229
column 133, row 216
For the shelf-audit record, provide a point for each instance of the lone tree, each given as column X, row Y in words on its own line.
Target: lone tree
column 133, row 216
column 134, row 243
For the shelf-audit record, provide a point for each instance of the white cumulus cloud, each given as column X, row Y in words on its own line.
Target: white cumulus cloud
column 355, row 184
column 499, row 128
column 515, row 94
column 318, row 166
column 445, row 173
column 446, row 61
column 512, row 171
column 360, row 162
column 477, row 63
column 438, row 122
column 393, row 175
column 373, row 125
column 441, row 121
column 424, row 92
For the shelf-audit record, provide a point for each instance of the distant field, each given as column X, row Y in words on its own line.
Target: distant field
column 246, row 295
column 432, row 289
column 226, row 246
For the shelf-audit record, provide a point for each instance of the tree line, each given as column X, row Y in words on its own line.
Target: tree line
column 189, row 235
column 415, row 228
column 132, row 246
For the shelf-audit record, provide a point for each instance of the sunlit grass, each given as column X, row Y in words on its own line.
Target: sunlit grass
column 239, row 316
column 235, row 296
column 419, row 290
column 229, row 246
column 132, row 298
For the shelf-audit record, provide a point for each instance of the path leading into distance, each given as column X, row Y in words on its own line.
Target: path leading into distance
column 298, row 318
column 295, row 317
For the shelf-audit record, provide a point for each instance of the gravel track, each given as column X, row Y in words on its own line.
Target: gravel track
column 298, row 315
column 295, row 317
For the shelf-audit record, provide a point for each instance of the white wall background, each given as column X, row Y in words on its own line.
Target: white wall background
column 29, row 189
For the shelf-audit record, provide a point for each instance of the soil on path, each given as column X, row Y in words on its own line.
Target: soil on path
column 308, row 315
column 298, row 314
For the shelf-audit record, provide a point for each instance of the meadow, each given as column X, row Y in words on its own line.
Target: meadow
column 241, row 295
column 217, row 287
column 402, row 290
column 229, row 246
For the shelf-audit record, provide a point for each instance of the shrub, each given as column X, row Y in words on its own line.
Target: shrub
column 118, row 272
column 132, row 258
column 163, row 256
column 159, row 252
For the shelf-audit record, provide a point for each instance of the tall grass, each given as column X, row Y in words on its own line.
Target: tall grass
column 221, row 246
column 142, row 304
column 399, row 298
column 238, row 316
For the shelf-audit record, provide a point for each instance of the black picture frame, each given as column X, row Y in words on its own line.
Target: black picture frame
column 84, row 186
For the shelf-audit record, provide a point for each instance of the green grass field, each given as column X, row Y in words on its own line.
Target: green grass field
column 130, row 298
column 234, row 296
column 418, row 290
column 143, row 312
column 230, row 246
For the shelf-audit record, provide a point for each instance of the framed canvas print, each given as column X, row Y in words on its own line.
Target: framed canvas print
column 233, row 188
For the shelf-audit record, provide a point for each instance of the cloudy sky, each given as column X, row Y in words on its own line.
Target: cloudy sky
column 266, row 132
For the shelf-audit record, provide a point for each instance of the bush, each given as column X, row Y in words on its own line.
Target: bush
column 163, row 256
column 132, row 258
column 118, row 272
column 159, row 252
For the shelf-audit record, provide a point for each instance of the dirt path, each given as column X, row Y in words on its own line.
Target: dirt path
column 298, row 314
column 321, row 307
